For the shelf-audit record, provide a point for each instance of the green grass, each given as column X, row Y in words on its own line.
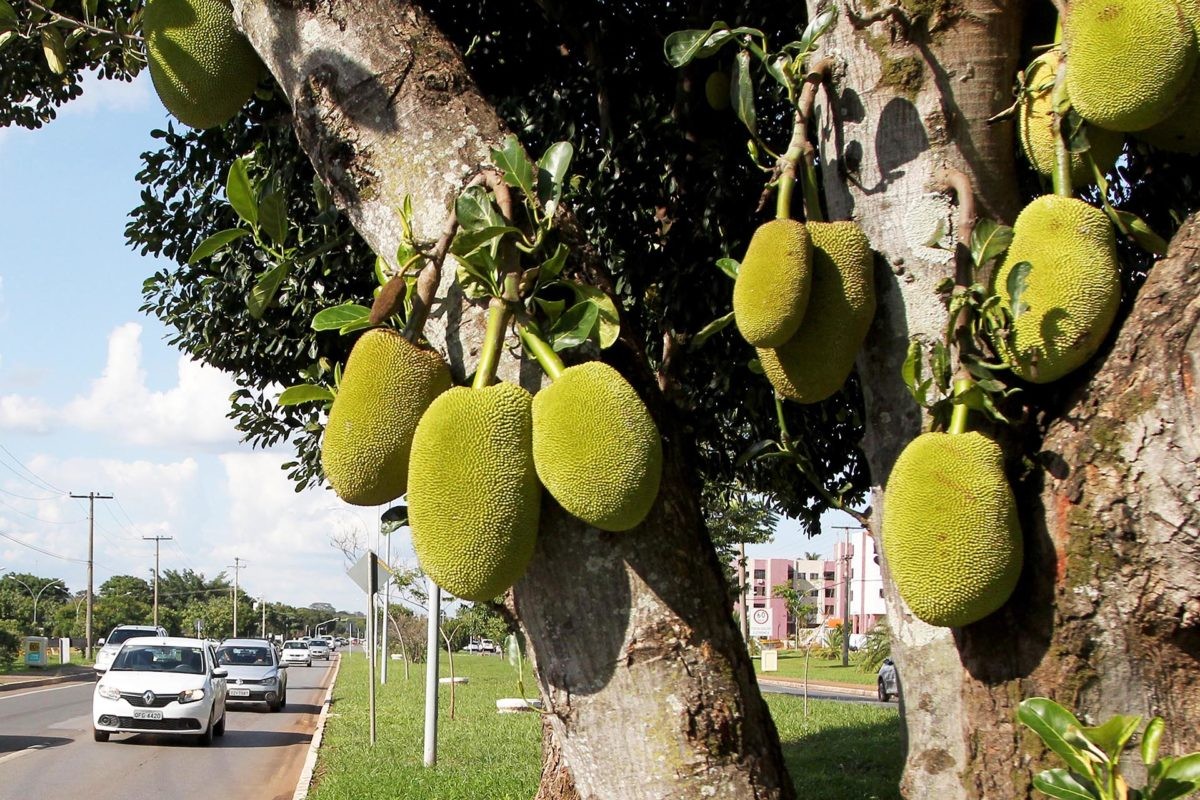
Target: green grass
column 791, row 665
column 841, row 751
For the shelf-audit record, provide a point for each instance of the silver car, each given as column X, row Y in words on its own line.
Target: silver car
column 887, row 683
column 255, row 674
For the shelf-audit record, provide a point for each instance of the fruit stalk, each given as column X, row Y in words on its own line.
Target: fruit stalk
column 1061, row 176
column 549, row 361
column 489, row 359
column 958, row 417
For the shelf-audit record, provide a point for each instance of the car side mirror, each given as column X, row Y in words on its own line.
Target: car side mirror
column 220, row 673
column 100, row 642
column 282, row 666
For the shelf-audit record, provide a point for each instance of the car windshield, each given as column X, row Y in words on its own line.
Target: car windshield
column 295, row 646
column 244, row 656
column 121, row 634
column 160, row 658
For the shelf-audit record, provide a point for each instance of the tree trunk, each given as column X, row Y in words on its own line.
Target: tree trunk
column 650, row 688
column 1105, row 617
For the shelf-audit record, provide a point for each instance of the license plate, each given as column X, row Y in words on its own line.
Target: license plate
column 140, row 714
column 239, row 692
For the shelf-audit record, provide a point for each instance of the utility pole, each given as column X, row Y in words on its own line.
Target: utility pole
column 236, row 566
column 157, row 540
column 262, row 601
column 91, row 497
column 845, row 559
column 743, row 616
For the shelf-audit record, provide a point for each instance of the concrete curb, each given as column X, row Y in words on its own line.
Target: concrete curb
column 12, row 686
column 310, row 762
column 864, row 691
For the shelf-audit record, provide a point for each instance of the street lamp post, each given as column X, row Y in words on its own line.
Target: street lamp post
column 317, row 631
column 37, row 596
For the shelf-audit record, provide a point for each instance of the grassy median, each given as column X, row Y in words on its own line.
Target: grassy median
column 841, row 751
column 791, row 666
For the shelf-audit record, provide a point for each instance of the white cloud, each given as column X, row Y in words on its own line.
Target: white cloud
column 107, row 96
column 119, row 402
column 26, row 414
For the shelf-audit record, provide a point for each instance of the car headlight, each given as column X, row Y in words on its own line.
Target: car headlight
column 108, row 692
column 270, row 681
column 191, row 695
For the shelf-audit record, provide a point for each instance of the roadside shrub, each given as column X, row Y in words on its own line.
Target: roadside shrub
column 10, row 643
column 877, row 647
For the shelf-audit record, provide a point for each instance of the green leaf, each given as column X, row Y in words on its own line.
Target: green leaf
column 817, row 26
column 755, row 366
column 332, row 319
column 910, row 371
column 575, row 326
column 989, row 240
column 305, row 393
column 1114, row 734
column 757, row 450
column 681, row 47
column 511, row 159
column 264, row 290
column 553, row 309
column 742, row 91
column 1051, row 722
column 467, row 242
column 1184, row 769
column 6, row 12
column 553, row 266
column 1142, row 233
column 1074, row 130
column 272, row 216
column 609, row 321
column 1017, row 283
column 240, row 193
column 474, row 210
column 475, row 283
column 215, row 243
column 7, row 38
column 1151, row 738
column 1061, row 784
column 54, row 50
column 321, row 194
column 729, row 266
column 716, row 326
column 552, row 172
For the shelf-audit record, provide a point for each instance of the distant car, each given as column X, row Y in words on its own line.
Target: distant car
column 481, row 646
column 119, row 635
column 329, row 640
column 318, row 648
column 255, row 674
column 161, row 685
column 887, row 683
column 296, row 651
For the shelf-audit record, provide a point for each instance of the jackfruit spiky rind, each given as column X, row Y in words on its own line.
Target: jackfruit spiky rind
column 1180, row 132
column 816, row 361
column 473, row 495
column 1128, row 61
column 771, row 292
column 386, row 387
column 1035, row 127
column 202, row 67
column 596, row 448
column 951, row 535
column 1072, row 291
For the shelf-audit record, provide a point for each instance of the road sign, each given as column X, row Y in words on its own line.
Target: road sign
column 760, row 622
column 360, row 573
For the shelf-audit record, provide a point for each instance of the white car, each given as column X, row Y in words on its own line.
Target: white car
column 161, row 685
column 295, row 651
column 118, row 637
column 318, row 648
column 255, row 674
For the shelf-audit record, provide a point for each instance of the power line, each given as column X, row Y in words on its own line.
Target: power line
column 44, row 483
column 39, row 519
column 41, row 550
column 24, row 497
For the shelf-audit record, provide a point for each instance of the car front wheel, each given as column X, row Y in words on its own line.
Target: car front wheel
column 219, row 728
column 205, row 739
column 100, row 736
column 883, row 692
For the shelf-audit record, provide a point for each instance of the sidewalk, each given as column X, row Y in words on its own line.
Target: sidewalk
column 59, row 674
column 828, row 686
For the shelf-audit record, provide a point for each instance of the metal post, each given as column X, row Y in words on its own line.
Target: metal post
column 386, row 599
column 431, row 673
column 372, row 588
column 91, row 497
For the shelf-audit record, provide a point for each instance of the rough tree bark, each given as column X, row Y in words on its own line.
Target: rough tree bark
column 1105, row 619
column 649, row 686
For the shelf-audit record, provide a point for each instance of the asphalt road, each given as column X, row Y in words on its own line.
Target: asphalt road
column 46, row 748
column 822, row 693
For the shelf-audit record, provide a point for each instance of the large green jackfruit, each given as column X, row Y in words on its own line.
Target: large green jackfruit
column 386, row 387
column 1180, row 132
column 473, row 494
column 770, row 294
column 202, row 67
column 596, row 448
column 1128, row 61
column 950, row 531
column 816, row 361
column 1072, row 290
column 1035, row 126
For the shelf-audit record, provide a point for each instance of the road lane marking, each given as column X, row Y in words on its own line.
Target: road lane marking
column 81, row 723
column 68, row 685
column 20, row 753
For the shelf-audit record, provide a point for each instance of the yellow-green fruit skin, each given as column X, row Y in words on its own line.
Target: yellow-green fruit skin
column 818, row 358
column 1128, row 61
column 1035, row 126
column 771, row 292
column 386, row 387
column 1072, row 291
column 950, row 531
column 1180, row 132
column 473, row 494
column 202, row 67
column 596, row 448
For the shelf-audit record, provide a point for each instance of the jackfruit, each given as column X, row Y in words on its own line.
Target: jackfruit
column 772, row 286
column 1180, row 132
column 473, row 495
column 950, row 531
column 595, row 447
column 1035, row 126
column 816, row 361
column 202, row 67
column 386, row 387
column 1128, row 61
column 1071, row 292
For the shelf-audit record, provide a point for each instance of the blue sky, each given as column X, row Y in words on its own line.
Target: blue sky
column 93, row 399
